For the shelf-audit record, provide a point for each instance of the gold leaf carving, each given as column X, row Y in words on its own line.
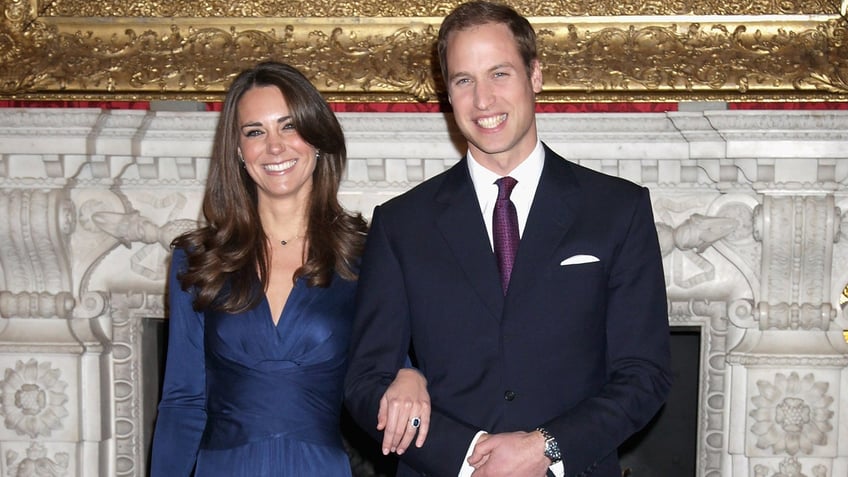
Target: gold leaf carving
column 711, row 57
column 124, row 50
column 371, row 8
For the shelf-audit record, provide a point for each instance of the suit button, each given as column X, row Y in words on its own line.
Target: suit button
column 509, row 395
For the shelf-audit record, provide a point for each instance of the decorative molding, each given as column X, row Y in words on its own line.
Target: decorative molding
column 33, row 399
column 791, row 467
column 792, row 414
column 37, row 462
column 714, row 383
column 798, row 233
column 36, row 224
column 36, row 304
column 419, row 8
column 748, row 207
column 376, row 51
column 790, row 360
column 128, row 309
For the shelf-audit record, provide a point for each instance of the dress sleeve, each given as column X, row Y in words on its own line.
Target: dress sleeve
column 182, row 410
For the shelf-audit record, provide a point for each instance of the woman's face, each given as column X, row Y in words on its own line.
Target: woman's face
column 278, row 160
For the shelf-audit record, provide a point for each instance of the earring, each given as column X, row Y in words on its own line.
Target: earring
column 317, row 154
column 241, row 159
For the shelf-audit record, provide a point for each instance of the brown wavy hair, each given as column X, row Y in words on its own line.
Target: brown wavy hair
column 226, row 254
column 478, row 13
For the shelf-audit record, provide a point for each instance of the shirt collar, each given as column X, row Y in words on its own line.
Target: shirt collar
column 527, row 173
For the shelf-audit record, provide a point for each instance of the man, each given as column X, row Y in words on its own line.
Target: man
column 541, row 363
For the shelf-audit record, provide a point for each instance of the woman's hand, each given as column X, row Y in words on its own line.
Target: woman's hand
column 405, row 400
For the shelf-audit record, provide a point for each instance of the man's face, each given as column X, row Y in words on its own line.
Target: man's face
column 492, row 97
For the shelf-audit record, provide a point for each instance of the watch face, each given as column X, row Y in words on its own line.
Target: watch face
column 551, row 447
column 552, row 451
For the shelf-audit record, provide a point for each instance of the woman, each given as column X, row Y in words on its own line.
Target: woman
column 261, row 298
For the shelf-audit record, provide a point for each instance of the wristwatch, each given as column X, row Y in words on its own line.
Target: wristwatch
column 551, row 447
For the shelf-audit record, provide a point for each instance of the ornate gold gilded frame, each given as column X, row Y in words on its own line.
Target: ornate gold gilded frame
column 379, row 51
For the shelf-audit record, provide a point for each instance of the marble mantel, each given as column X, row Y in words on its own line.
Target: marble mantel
column 748, row 206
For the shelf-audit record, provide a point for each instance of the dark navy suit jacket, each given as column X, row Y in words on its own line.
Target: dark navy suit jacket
column 582, row 350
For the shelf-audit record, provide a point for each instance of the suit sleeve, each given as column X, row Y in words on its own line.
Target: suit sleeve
column 182, row 410
column 638, row 352
column 379, row 347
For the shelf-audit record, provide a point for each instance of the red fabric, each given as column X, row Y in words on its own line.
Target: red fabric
column 438, row 107
column 387, row 107
column 783, row 106
column 367, row 107
column 75, row 104
column 540, row 107
column 605, row 107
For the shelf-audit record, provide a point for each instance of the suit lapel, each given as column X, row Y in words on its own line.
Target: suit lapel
column 461, row 224
column 554, row 209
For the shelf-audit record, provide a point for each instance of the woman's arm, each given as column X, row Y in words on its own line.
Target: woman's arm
column 182, row 410
column 405, row 400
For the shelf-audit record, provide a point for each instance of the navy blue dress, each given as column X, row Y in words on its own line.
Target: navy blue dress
column 245, row 398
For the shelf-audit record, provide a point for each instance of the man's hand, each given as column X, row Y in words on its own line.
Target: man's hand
column 510, row 454
column 405, row 398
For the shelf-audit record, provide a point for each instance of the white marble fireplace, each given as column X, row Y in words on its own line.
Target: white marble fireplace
column 748, row 205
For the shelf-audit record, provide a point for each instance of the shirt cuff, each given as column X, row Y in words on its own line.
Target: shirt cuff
column 467, row 469
column 558, row 469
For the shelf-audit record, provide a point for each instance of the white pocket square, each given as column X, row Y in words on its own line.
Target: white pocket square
column 578, row 259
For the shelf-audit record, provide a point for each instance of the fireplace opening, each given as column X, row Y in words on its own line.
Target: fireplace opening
column 667, row 446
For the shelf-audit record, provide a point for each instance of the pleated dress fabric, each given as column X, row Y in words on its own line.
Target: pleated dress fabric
column 243, row 397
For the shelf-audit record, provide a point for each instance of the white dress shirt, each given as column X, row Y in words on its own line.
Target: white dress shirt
column 527, row 173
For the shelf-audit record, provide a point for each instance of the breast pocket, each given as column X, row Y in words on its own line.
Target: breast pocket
column 582, row 286
column 592, row 270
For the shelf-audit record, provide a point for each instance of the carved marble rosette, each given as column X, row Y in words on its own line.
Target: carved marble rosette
column 748, row 208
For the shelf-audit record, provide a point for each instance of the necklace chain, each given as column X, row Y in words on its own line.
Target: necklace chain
column 286, row 242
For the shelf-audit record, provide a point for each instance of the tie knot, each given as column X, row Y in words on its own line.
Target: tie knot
column 505, row 185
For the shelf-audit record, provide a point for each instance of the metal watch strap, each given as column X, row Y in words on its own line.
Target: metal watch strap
column 551, row 446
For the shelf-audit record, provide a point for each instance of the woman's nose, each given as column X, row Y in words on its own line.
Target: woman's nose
column 275, row 144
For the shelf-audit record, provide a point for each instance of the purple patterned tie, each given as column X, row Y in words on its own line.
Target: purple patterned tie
column 505, row 229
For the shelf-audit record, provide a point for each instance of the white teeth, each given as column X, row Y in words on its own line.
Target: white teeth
column 491, row 122
column 280, row 167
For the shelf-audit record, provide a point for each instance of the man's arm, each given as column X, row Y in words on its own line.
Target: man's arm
column 637, row 351
column 379, row 347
